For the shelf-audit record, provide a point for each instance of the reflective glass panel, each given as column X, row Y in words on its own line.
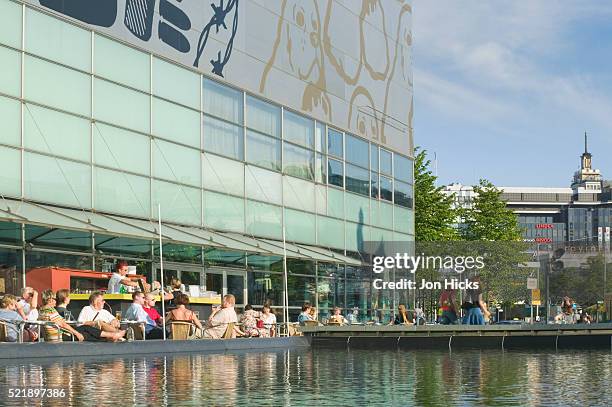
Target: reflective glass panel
column 175, row 83
column 10, row 121
column 176, row 123
column 404, row 220
column 357, row 151
column 301, row 290
column 335, row 203
column 121, row 63
column 118, row 105
column 134, row 198
column 10, row 233
column 335, row 172
column 265, row 288
column 223, row 138
column 330, row 232
column 56, row 86
column 56, row 133
column 320, row 169
column 10, row 176
column 335, row 144
column 403, row 194
column 298, row 129
column 263, row 117
column 176, row 163
column 402, row 168
column 10, row 80
column 264, row 220
column 223, row 212
column 222, row 101
column 36, row 259
column 263, row 185
column 57, row 181
column 10, row 23
column 386, row 188
column 298, row 194
column 320, row 137
column 123, row 246
column 57, row 40
column 225, row 258
column 41, row 236
column 374, row 157
column 222, row 174
column 300, row 226
column 235, row 286
column 357, row 180
column 357, row 208
column 122, row 149
column 298, row 161
column 263, row 150
column 385, row 162
column 374, row 185
column 179, row 203
column 10, row 266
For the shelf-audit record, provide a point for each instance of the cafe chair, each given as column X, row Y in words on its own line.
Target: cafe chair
column 333, row 323
column 229, row 332
column 135, row 331
column 311, row 323
column 3, row 331
column 56, row 336
column 182, row 330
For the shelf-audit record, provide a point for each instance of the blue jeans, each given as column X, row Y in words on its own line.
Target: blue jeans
column 474, row 317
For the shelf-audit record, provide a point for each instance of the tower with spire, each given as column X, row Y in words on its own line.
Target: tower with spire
column 586, row 179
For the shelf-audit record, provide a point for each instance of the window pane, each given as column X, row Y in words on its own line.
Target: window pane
column 10, row 121
column 335, row 172
column 335, row 144
column 223, row 212
column 320, row 137
column 121, row 63
column 374, row 157
column 235, row 286
column 222, row 101
column 298, row 194
column 357, row 208
column 263, row 185
column 176, row 163
column 263, row 117
column 41, row 236
column 46, row 259
column 298, row 129
column 298, row 162
column 264, row 220
column 357, row 151
column 357, row 180
column 10, row 233
column 403, row 194
column 356, row 234
column 374, row 185
column 57, row 86
column 263, row 150
column 56, row 133
column 178, row 203
column 382, row 214
column 175, row 83
column 321, row 199
column 123, row 246
column 57, row 181
column 320, row 169
column 265, row 288
column 10, row 23
column 118, row 148
column 10, row 80
column 11, row 261
column 57, row 40
column 118, row 105
column 133, row 199
column 386, row 188
column 330, row 232
column 404, row 220
column 300, row 290
column 385, row 161
column 335, row 203
column 299, row 226
column 10, row 176
column 402, row 168
column 223, row 138
column 223, row 175
column 176, row 123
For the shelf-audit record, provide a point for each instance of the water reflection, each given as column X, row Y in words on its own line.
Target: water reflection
column 324, row 377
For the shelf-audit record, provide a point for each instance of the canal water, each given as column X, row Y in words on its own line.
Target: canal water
column 322, row 377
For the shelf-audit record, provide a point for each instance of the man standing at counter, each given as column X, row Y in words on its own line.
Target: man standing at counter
column 119, row 279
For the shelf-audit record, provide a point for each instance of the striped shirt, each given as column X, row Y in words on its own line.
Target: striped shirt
column 50, row 314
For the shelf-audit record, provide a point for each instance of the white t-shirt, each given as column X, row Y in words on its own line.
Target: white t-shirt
column 268, row 320
column 218, row 324
column 88, row 313
column 114, row 284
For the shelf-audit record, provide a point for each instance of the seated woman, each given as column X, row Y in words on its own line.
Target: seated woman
column 249, row 321
column 83, row 332
column 62, row 299
column 12, row 320
column 183, row 314
column 448, row 305
column 269, row 322
column 305, row 314
column 403, row 317
column 337, row 317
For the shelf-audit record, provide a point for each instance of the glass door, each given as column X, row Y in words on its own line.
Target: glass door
column 188, row 274
column 228, row 281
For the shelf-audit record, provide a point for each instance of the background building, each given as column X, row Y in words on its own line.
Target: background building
column 247, row 121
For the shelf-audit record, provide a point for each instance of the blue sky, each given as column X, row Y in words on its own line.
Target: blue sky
column 505, row 90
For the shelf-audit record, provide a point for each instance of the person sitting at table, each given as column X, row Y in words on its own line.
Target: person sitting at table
column 12, row 320
column 182, row 313
column 269, row 322
column 305, row 314
column 137, row 313
column 220, row 318
column 249, row 321
column 62, row 299
column 96, row 315
column 27, row 306
column 149, row 307
column 403, row 317
column 337, row 317
column 313, row 313
column 82, row 332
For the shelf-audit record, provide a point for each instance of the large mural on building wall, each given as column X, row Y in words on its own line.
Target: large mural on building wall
column 344, row 62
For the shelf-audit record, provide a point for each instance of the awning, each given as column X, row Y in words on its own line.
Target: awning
column 74, row 219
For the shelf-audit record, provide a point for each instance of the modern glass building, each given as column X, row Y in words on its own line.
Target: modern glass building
column 260, row 130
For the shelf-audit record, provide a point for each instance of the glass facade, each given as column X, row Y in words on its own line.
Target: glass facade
column 88, row 122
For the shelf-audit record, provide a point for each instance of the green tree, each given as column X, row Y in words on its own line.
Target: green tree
column 434, row 215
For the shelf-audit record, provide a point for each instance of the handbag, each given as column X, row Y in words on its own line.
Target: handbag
column 260, row 324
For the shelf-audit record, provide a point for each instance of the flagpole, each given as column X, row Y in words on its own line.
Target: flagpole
column 161, row 268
